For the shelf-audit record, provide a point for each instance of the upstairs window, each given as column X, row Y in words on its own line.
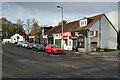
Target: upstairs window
column 83, row 22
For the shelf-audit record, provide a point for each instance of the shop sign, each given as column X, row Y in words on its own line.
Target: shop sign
column 66, row 34
column 31, row 36
column 44, row 36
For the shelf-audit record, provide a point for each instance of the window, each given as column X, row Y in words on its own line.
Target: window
column 93, row 44
column 83, row 22
column 81, row 42
column 91, row 33
column 94, row 33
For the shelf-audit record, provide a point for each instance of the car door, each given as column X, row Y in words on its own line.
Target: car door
column 48, row 49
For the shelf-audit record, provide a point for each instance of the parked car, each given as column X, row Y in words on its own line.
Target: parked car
column 29, row 46
column 40, row 47
column 19, row 44
column 51, row 48
column 34, row 47
column 24, row 44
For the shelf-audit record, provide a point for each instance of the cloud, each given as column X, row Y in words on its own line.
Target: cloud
column 0, row 9
column 113, row 17
column 61, row 1
column 47, row 13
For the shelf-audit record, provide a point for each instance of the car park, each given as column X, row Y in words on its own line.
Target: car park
column 51, row 48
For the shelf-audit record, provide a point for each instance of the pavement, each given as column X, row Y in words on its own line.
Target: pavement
column 19, row 62
column 93, row 54
column 106, row 55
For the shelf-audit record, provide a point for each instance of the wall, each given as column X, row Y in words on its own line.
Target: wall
column 108, row 35
column 6, row 40
column 14, row 38
column 94, row 27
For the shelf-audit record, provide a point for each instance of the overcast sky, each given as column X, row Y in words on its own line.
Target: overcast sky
column 47, row 13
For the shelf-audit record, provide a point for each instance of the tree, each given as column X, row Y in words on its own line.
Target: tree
column 7, row 28
column 36, row 28
column 28, row 26
column 64, row 22
column 19, row 28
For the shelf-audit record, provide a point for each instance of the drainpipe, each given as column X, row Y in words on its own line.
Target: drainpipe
column 86, row 41
column 99, row 33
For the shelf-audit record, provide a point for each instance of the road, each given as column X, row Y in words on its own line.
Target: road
column 19, row 62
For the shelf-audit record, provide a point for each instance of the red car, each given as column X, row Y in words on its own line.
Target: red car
column 51, row 48
column 29, row 46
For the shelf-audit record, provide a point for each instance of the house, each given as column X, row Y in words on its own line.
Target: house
column 85, row 34
column 6, row 41
column 40, row 37
column 16, row 37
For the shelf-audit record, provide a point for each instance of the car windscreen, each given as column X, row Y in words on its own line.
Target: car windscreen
column 40, row 45
column 55, row 46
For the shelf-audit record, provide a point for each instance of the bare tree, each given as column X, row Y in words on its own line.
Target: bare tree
column 28, row 26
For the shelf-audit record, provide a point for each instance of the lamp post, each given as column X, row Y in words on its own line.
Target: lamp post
column 62, row 22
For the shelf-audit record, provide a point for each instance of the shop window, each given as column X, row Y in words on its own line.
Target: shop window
column 81, row 45
column 93, row 44
column 81, row 42
column 65, row 40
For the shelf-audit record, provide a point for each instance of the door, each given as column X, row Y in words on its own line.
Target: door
column 58, row 42
column 81, row 44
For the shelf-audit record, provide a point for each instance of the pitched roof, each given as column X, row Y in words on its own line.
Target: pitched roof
column 74, row 26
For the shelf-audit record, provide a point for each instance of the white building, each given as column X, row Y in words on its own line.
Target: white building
column 96, row 32
column 87, row 33
column 6, row 41
column 16, row 38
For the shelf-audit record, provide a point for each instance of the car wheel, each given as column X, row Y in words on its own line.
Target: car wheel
column 39, row 50
column 52, row 52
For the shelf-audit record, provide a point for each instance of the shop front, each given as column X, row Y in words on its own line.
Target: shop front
column 80, row 41
column 50, row 39
column 67, row 40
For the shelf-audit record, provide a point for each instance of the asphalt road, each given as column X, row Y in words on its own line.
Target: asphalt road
column 19, row 62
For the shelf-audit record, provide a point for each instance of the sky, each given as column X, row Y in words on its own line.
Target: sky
column 47, row 13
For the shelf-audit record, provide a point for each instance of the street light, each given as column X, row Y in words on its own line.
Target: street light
column 62, row 22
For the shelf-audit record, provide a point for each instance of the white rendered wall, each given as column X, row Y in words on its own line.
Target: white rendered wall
column 108, row 35
column 94, row 27
column 14, row 38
